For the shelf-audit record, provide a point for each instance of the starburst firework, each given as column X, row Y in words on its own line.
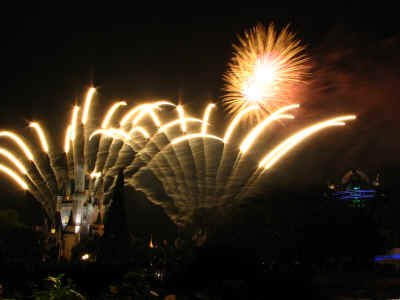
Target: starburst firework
column 265, row 68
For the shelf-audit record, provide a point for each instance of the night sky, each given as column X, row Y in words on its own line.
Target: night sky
column 52, row 54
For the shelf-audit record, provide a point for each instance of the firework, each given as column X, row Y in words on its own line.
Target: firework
column 236, row 120
column 110, row 113
column 14, row 160
column 74, row 121
column 195, row 136
column 19, row 142
column 142, row 107
column 288, row 144
column 264, row 69
column 14, row 176
column 182, row 117
column 178, row 122
column 139, row 129
column 95, row 174
column 42, row 137
column 112, row 132
column 206, row 116
column 87, row 105
column 251, row 137
column 67, row 139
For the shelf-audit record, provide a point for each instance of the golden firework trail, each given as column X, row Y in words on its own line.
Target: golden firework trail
column 206, row 116
column 292, row 141
column 67, row 141
column 88, row 101
column 41, row 135
column 14, row 160
column 178, row 122
column 236, row 120
column 112, row 132
column 14, row 176
column 255, row 132
column 110, row 113
column 74, row 122
column 195, row 136
column 19, row 142
column 139, row 129
column 95, row 174
column 125, row 119
column 181, row 113
column 145, row 111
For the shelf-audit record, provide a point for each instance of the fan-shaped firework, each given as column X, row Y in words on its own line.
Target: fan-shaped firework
column 193, row 167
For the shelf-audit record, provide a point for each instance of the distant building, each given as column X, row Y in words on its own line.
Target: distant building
column 357, row 190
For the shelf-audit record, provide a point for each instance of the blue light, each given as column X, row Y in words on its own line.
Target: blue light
column 359, row 197
column 358, row 191
column 355, row 194
column 393, row 256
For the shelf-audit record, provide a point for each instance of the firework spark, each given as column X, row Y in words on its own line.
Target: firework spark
column 195, row 136
column 41, row 135
column 182, row 117
column 251, row 137
column 95, row 174
column 112, row 132
column 236, row 120
column 178, row 122
column 14, row 160
column 205, row 118
column 74, row 122
column 264, row 69
column 87, row 105
column 147, row 110
column 139, row 129
column 125, row 119
column 19, row 141
column 110, row 113
column 67, row 139
column 289, row 143
column 14, row 176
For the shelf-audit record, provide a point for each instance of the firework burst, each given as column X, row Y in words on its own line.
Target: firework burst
column 264, row 70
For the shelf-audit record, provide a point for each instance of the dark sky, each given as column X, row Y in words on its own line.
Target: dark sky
column 51, row 54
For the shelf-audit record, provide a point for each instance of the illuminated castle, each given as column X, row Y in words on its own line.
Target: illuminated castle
column 79, row 207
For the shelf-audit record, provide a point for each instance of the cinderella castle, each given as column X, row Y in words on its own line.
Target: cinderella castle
column 80, row 212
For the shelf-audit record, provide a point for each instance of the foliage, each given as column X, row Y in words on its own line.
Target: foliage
column 58, row 290
column 135, row 283
column 9, row 218
column 19, row 243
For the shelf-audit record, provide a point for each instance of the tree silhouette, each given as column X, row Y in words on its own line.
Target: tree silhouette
column 115, row 241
